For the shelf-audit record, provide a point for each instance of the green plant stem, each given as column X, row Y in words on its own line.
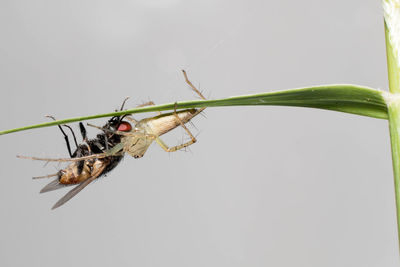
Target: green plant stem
column 394, row 121
column 345, row 98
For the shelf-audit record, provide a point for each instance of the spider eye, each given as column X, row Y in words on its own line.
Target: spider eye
column 124, row 126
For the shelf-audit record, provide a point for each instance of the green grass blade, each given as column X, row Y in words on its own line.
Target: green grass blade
column 345, row 98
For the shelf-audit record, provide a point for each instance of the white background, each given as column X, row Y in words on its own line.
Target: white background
column 264, row 186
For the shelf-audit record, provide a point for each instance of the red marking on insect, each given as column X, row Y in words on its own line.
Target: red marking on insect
column 124, row 126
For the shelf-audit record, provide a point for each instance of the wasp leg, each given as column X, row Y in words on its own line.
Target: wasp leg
column 84, row 136
column 83, row 133
column 66, row 136
column 73, row 134
column 79, row 152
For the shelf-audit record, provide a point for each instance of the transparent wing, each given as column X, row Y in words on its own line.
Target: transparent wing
column 54, row 185
column 78, row 188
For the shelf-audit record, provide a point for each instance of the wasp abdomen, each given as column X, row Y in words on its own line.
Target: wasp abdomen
column 72, row 175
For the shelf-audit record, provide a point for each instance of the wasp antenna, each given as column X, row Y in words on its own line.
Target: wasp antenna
column 123, row 103
column 50, row 116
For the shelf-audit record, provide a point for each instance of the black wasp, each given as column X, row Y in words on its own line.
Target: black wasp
column 83, row 172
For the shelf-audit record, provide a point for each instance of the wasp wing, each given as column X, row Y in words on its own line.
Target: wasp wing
column 54, row 185
column 78, row 188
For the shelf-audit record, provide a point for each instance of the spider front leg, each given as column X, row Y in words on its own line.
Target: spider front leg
column 149, row 103
column 109, row 130
column 125, row 134
column 94, row 156
column 131, row 119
